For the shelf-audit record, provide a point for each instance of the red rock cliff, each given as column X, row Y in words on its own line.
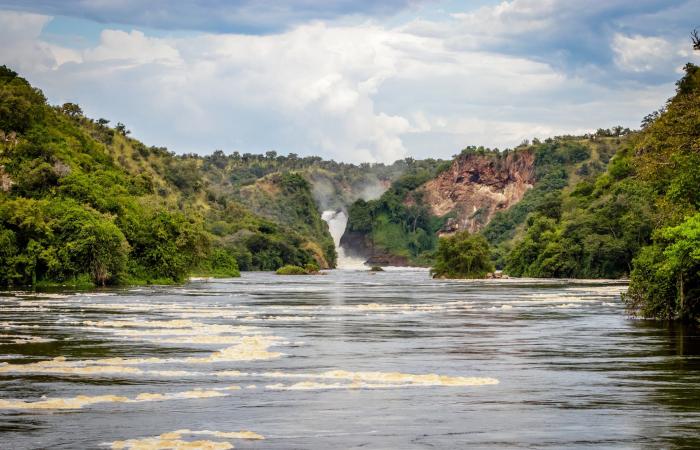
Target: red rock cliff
column 477, row 186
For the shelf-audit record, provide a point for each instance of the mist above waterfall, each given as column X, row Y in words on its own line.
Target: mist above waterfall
column 332, row 194
column 337, row 221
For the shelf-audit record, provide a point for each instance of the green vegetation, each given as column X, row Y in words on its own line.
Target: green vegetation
column 462, row 255
column 291, row 270
column 639, row 218
column 376, row 269
column 286, row 198
column 83, row 204
column 665, row 282
column 399, row 222
column 308, row 269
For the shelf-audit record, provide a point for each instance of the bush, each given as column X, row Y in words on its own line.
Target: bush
column 57, row 242
column 221, row 263
column 291, row 270
column 462, row 255
column 665, row 282
column 311, row 268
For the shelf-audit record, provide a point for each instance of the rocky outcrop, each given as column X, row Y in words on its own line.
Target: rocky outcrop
column 5, row 180
column 477, row 186
column 356, row 245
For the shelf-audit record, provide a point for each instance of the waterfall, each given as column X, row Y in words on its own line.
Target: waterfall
column 337, row 220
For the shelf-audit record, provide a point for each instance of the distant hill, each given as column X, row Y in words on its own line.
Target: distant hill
column 82, row 203
column 481, row 190
column 609, row 205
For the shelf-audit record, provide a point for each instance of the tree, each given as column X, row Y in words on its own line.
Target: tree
column 91, row 244
column 665, row 282
column 72, row 110
column 166, row 245
column 462, row 255
column 20, row 104
column 121, row 129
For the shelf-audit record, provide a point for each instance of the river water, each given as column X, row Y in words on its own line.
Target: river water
column 345, row 360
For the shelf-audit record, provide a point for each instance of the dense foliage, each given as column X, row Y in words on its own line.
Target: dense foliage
column 399, row 222
column 665, row 282
column 286, row 198
column 462, row 255
column 289, row 269
column 82, row 203
column 639, row 218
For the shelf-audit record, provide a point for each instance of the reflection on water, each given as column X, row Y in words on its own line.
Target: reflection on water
column 349, row 359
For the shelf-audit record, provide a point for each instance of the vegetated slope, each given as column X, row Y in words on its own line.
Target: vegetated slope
column 293, row 191
column 334, row 185
column 481, row 189
column 639, row 218
column 398, row 228
column 82, row 203
column 286, row 198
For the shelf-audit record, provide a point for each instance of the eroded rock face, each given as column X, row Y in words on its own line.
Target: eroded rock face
column 476, row 187
column 5, row 180
column 473, row 190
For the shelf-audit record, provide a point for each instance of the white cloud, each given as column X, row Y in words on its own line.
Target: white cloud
column 134, row 47
column 642, row 53
column 21, row 47
column 364, row 92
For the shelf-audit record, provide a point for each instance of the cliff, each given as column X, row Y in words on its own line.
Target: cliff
column 477, row 186
column 481, row 190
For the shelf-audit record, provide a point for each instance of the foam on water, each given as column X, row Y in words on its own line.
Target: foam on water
column 383, row 379
column 222, row 434
column 80, row 401
column 18, row 339
column 173, row 440
column 183, row 323
column 159, row 443
column 251, row 348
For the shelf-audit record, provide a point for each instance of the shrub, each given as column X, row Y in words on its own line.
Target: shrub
column 665, row 282
column 462, row 255
column 311, row 268
column 291, row 270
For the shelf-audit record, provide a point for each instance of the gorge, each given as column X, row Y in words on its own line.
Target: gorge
column 394, row 225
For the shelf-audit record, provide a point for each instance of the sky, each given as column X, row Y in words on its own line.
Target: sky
column 352, row 80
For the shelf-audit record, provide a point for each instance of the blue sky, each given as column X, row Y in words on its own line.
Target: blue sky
column 352, row 80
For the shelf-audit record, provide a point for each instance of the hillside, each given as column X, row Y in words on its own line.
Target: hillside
column 609, row 205
column 639, row 219
column 480, row 190
column 82, row 203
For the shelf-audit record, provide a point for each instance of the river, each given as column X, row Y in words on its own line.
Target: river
column 348, row 359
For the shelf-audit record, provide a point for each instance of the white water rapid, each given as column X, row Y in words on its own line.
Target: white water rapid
column 337, row 220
